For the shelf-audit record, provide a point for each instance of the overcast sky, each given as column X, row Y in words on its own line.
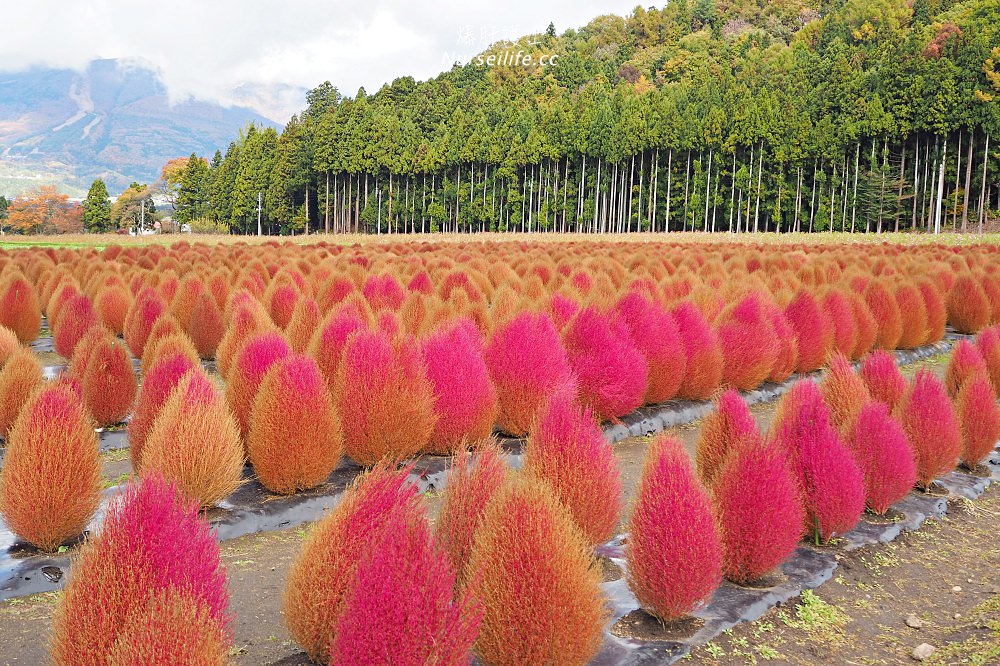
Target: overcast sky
column 229, row 51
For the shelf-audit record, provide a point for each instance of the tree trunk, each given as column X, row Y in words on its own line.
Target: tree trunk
column 812, row 201
column 958, row 182
column 854, row 197
column 983, row 203
column 940, row 192
column 968, row 183
column 687, row 178
column 708, row 188
column 760, row 165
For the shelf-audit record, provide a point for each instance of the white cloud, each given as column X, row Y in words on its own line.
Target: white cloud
column 266, row 53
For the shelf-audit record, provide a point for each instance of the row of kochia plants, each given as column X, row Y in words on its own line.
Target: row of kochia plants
column 385, row 352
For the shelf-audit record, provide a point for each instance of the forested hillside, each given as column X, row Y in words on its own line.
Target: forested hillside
column 866, row 115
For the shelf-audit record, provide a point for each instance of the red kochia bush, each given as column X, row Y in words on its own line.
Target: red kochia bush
column 20, row 376
column 471, row 485
column 788, row 345
column 152, row 545
column 979, row 416
column 50, row 482
column 112, row 305
column 757, row 509
column 567, row 450
column 295, row 439
column 528, row 541
column 703, row 354
column 844, row 392
column 867, row 327
column 839, row 310
column 965, row 363
column 464, row 398
column 885, row 309
column 882, row 377
column 19, row 308
column 656, row 335
column 322, row 574
column 610, row 370
column 8, row 344
column 385, row 400
column 730, row 421
column 260, row 352
column 928, row 418
column 109, row 382
column 205, row 325
column 327, row 345
column 749, row 345
column 77, row 318
column 165, row 373
column 884, row 456
column 673, row 551
column 399, row 607
column 527, row 363
column 832, row 484
column 812, row 328
column 969, row 309
column 145, row 310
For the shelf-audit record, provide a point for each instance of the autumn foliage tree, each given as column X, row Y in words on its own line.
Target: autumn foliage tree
column 44, row 210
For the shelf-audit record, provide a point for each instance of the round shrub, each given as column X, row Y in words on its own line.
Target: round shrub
column 50, row 482
column 913, row 313
column 882, row 377
column 77, row 318
column 261, row 351
column 969, row 309
column 611, row 372
column 884, row 456
column 385, row 401
column 295, row 440
column 537, row 581
column 19, row 308
column 322, row 574
column 749, row 345
column 527, row 363
column 206, row 326
column 109, row 383
column 979, row 418
column 965, row 363
column 152, row 546
column 844, row 392
column 20, row 376
column 757, row 509
column 928, row 418
column 567, row 450
column 465, row 401
column 673, row 551
column 812, row 329
column 887, row 314
column 703, row 353
column 656, row 335
column 195, row 442
column 730, row 421
column 165, row 373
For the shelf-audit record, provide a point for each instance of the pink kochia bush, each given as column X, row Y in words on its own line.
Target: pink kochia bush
column 757, row 509
column 656, row 335
column 259, row 353
column 527, row 362
column 749, row 345
column 611, row 372
column 884, row 456
column 567, row 450
column 979, row 416
column 673, row 551
column 385, row 401
column 703, row 354
column 929, row 420
column 464, row 398
column 152, row 545
column 966, row 362
column 882, row 377
column 399, row 608
column 76, row 318
column 831, row 483
column 371, row 570
column 812, row 328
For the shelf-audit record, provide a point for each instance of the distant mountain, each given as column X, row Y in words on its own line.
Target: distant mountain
column 112, row 121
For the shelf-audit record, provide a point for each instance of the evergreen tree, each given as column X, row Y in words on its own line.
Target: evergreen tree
column 97, row 209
